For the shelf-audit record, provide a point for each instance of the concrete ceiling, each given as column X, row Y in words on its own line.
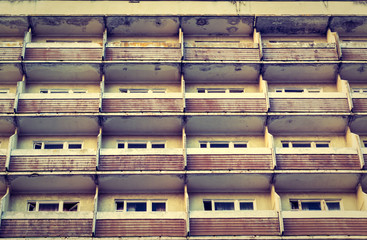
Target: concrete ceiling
column 349, row 25
column 13, row 26
column 354, row 72
column 7, row 125
column 10, row 72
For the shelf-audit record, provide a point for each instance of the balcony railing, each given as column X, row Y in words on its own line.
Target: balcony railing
column 58, row 103
column 141, row 159
column 316, row 159
column 142, row 102
column 46, row 224
column 313, row 223
column 359, row 102
column 308, row 102
column 300, row 51
column 7, row 103
column 232, row 223
column 235, row 159
column 133, row 224
column 354, row 51
column 117, row 51
column 3, row 154
column 10, row 51
column 63, row 52
column 24, row 160
column 225, row 102
column 221, row 51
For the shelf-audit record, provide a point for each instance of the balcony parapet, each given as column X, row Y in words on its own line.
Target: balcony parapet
column 359, row 102
column 7, row 103
column 141, row 215
column 47, row 215
column 234, row 214
column 10, row 51
column 3, row 155
column 354, row 51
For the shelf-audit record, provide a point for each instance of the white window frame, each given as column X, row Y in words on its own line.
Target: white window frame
column 64, row 91
column 359, row 90
column 231, row 144
column 221, row 90
column 235, row 201
column 149, row 204
column 304, row 90
column 142, row 90
column 149, row 143
column 4, row 91
column 59, row 202
column 64, row 143
column 323, row 204
column 312, row 143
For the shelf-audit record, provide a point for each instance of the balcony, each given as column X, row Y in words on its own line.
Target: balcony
column 354, row 56
column 359, row 102
column 134, row 224
column 235, row 159
column 10, row 51
column 141, row 102
column 141, row 159
column 25, row 160
column 309, row 102
column 204, row 223
column 230, row 102
column 58, row 103
column 3, row 153
column 7, row 103
column 311, row 223
column 46, row 224
column 317, row 159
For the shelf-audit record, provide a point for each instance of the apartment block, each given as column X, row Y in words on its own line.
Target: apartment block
column 183, row 120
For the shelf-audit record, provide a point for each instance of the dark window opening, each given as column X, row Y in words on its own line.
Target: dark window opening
column 240, row 145
column 294, row 205
column 301, row 145
column 311, row 206
column 121, row 145
column 158, row 207
column 207, row 205
column 54, row 146
column 333, row 206
column 158, row 145
column 136, row 207
column 224, row 206
column 52, row 207
column 246, row 206
column 219, row 145
column 75, row 146
column 120, row 206
column 70, row 206
column 137, row 145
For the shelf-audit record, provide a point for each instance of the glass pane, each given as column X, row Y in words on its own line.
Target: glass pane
column 219, row 145
column 322, row 145
column 31, row 206
column 48, row 207
column 123, row 90
column 236, row 90
column 158, row 145
column 207, row 205
column 159, row 207
column 37, row 146
column 119, row 206
column 285, row 144
column 202, row 145
column 137, row 145
column 224, row 206
column 59, row 91
column 136, row 207
column 138, row 90
column 293, row 90
column 201, row 90
column 54, row 146
column 246, row 206
column 333, row 206
column 294, row 205
column 240, row 145
column 121, row 145
column 75, row 146
column 216, row 90
column 70, row 207
column 312, row 206
column 301, row 145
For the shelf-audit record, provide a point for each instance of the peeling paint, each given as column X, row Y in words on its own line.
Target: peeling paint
column 202, row 22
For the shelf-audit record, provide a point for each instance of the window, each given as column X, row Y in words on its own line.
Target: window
column 220, row 90
column 4, row 91
column 140, row 205
column 57, row 145
column 365, row 143
column 52, row 206
column 141, row 90
column 222, row 144
column 63, row 91
column 359, row 90
column 298, row 90
column 140, row 144
column 228, row 205
column 315, row 205
column 305, row 144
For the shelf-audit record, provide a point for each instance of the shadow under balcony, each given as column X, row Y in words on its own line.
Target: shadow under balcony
column 58, row 103
column 208, row 223
column 233, row 159
column 133, row 224
column 141, row 159
column 46, row 224
column 232, row 102
column 37, row 160
column 311, row 223
column 164, row 102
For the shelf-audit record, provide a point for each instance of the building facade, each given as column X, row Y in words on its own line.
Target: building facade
column 183, row 120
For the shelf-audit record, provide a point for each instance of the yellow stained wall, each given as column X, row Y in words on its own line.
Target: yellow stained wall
column 11, row 39
column 348, row 200
column 19, row 202
column 252, row 141
column 171, row 141
column 324, row 87
column 4, row 142
column 249, row 88
column 115, row 88
column 335, row 140
column 26, row 142
column 11, row 87
column 175, row 202
column 262, row 200
column 35, row 88
column 166, row 39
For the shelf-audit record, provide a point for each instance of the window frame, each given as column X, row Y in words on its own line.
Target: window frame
column 149, row 143
column 64, row 143
column 144, row 90
column 313, row 144
column 223, row 90
column 359, row 90
column 323, row 204
column 4, row 90
column 59, row 202
column 304, row 90
column 236, row 203
column 148, row 202
column 63, row 91
column 231, row 144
